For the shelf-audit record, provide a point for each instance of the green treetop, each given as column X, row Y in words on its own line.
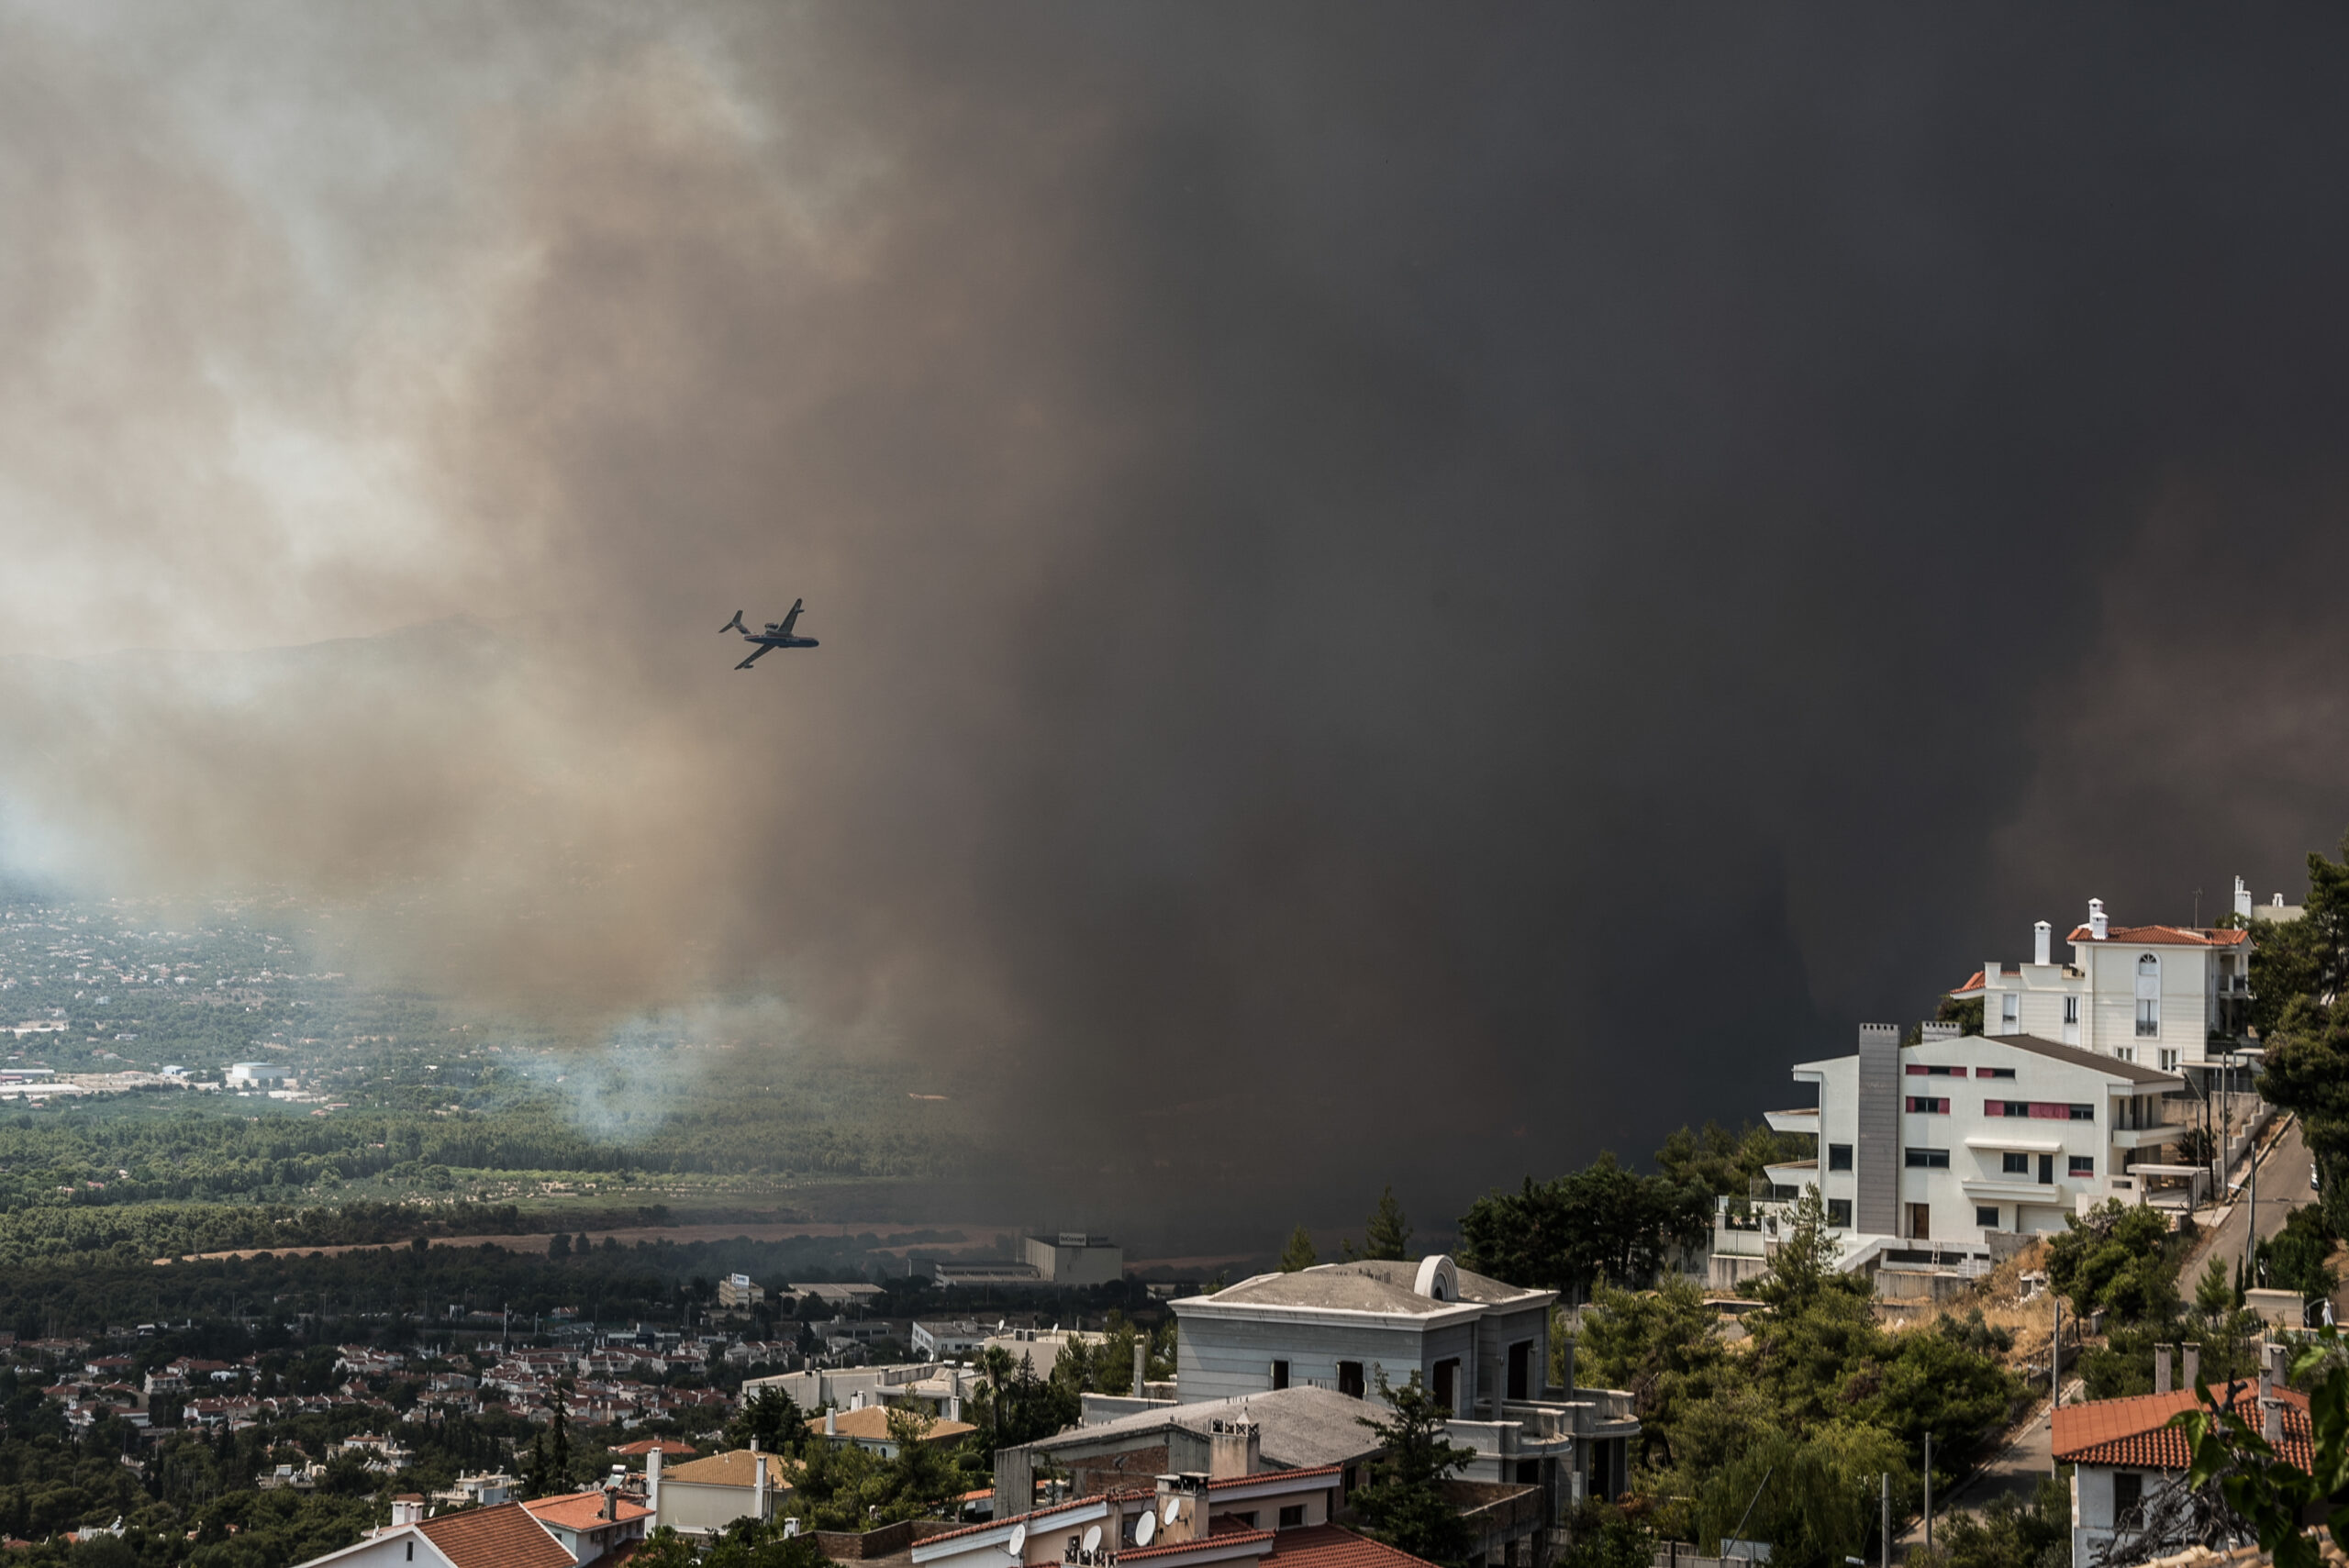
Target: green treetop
column 1390, row 1232
column 1298, row 1254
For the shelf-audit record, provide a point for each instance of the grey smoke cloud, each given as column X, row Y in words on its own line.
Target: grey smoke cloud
column 1403, row 595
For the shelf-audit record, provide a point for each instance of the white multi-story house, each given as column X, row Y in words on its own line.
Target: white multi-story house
column 2149, row 994
column 1924, row 1150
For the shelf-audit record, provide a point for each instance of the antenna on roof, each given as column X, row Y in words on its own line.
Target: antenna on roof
column 1018, row 1541
column 1091, row 1540
column 1145, row 1528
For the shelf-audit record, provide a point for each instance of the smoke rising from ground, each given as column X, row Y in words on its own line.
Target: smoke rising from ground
column 1402, row 595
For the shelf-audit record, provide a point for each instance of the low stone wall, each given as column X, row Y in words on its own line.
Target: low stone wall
column 845, row 1546
column 1921, row 1285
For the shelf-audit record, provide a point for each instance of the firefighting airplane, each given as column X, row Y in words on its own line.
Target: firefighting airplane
column 778, row 635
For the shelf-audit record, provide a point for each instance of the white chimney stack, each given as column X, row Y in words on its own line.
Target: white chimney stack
column 758, row 1485
column 652, row 1482
column 2242, row 899
column 2098, row 927
column 2042, row 935
column 831, row 1424
column 407, row 1508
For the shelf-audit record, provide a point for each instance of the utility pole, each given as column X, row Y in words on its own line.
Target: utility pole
column 2251, row 1219
column 1928, row 1490
column 2055, row 1372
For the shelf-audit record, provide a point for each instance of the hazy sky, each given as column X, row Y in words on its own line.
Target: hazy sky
column 1404, row 593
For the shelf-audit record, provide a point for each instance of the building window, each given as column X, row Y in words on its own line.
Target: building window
column 1994, row 1072
column 2125, row 1052
column 1447, row 1384
column 2012, row 1165
column 1292, row 1516
column 2071, row 1010
column 2169, row 1061
column 1926, row 1159
column 1927, row 1104
column 1917, row 1071
column 2083, row 1165
column 2127, row 1486
column 1839, row 1156
column 2010, row 1014
column 1247, row 1519
column 2041, row 1110
column 1280, row 1374
column 1987, row 1216
column 1839, row 1214
column 2149, row 996
column 1520, row 1370
column 1350, row 1382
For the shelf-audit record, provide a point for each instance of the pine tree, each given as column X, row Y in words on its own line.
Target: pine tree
column 1390, row 1230
column 1298, row 1254
column 1404, row 1506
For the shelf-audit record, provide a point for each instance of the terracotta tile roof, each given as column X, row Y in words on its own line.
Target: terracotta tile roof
column 1332, row 1546
column 503, row 1536
column 731, row 1468
column 2163, row 936
column 1262, row 1475
column 872, row 1424
column 668, row 1447
column 1228, row 1540
column 1973, row 983
column 584, row 1510
column 2135, row 1434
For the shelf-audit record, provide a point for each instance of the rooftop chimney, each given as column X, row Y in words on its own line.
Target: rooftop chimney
column 407, row 1508
column 2266, row 1376
column 652, row 1481
column 758, row 1485
column 2042, row 934
column 2242, row 899
column 831, row 1424
column 2271, row 1420
column 2161, row 1369
column 2098, row 927
column 611, row 1501
column 2193, row 1363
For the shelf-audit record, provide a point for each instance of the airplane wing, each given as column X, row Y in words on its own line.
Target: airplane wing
column 756, row 654
column 793, row 618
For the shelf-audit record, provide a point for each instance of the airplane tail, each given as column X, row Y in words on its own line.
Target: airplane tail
column 736, row 625
column 793, row 618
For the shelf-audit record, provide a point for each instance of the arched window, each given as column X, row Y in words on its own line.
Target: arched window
column 2149, row 996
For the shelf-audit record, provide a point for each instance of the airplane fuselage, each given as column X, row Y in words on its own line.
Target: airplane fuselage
column 777, row 634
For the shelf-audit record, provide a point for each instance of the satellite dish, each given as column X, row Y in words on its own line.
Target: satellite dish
column 1145, row 1528
column 1018, row 1541
column 1173, row 1506
column 1093, row 1540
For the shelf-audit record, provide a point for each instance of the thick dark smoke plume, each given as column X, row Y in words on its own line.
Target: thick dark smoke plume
column 1406, row 594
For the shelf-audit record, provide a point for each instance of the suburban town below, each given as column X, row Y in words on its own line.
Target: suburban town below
column 1952, row 1304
